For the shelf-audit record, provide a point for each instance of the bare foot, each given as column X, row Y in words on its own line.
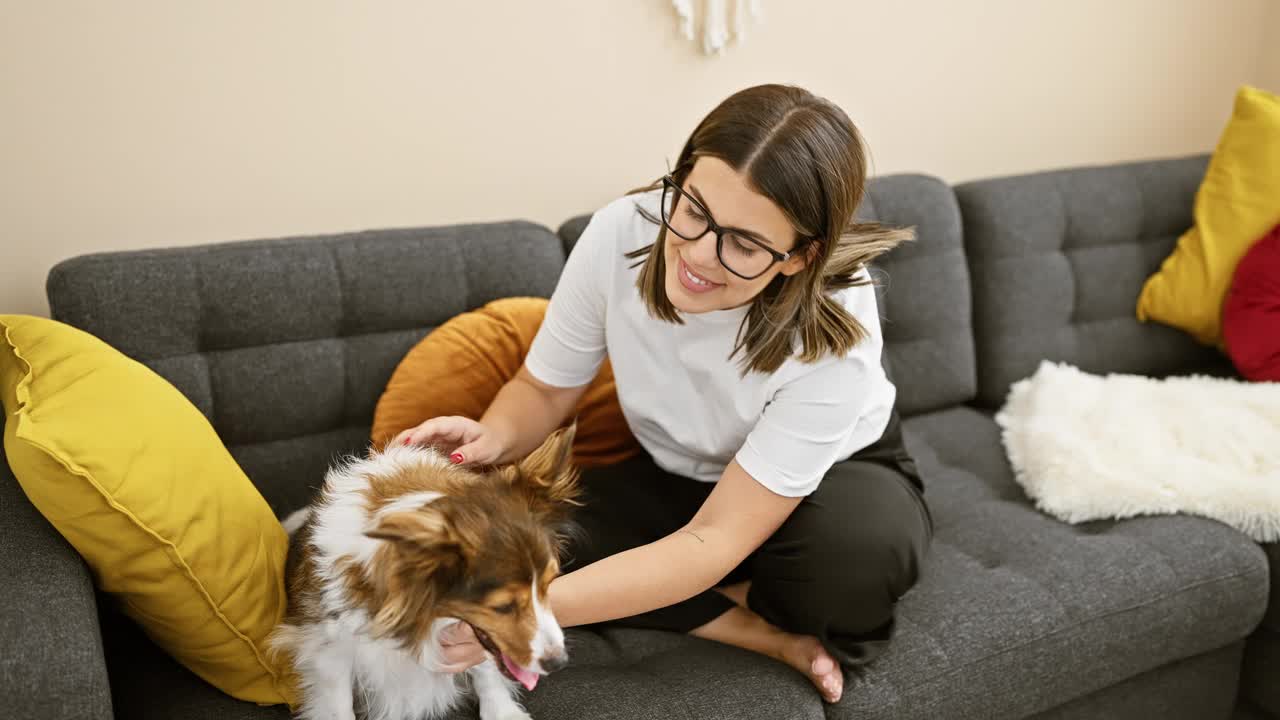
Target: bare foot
column 806, row 654
column 745, row 629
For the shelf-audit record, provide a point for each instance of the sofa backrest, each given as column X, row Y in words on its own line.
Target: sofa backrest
column 1057, row 261
column 286, row 344
column 924, row 292
column 923, row 289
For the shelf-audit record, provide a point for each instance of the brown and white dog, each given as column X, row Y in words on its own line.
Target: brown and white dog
column 399, row 545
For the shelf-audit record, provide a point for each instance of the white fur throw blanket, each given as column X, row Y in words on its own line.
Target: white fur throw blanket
column 1086, row 447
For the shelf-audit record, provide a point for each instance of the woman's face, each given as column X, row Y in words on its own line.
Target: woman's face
column 732, row 204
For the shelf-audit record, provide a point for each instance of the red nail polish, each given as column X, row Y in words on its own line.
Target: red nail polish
column 455, row 458
column 408, row 441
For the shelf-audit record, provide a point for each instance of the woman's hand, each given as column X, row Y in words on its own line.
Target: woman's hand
column 466, row 440
column 459, row 648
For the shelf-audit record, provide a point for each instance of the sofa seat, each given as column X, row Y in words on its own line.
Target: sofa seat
column 1262, row 668
column 1019, row 612
column 1016, row 614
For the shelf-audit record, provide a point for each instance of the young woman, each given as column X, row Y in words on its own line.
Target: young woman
column 774, row 506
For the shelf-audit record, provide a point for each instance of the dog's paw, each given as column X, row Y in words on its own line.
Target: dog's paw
column 510, row 712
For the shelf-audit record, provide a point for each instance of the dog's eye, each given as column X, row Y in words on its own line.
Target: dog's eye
column 504, row 609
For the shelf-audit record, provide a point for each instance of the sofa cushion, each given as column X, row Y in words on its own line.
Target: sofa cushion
column 1017, row 612
column 922, row 288
column 459, row 367
column 617, row 674
column 1236, row 204
column 286, row 344
column 1262, row 657
column 1251, row 311
column 1058, row 259
column 147, row 684
column 131, row 474
column 1199, row 687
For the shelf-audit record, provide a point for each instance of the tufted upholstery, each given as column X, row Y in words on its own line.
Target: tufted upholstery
column 1057, row 261
column 922, row 288
column 1016, row 614
column 924, row 294
column 1019, row 612
column 286, row 344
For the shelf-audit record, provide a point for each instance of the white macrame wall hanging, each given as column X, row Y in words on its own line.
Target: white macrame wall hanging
column 716, row 21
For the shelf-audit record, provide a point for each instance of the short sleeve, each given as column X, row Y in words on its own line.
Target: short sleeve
column 807, row 425
column 570, row 344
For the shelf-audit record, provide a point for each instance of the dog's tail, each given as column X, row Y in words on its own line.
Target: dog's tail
column 296, row 520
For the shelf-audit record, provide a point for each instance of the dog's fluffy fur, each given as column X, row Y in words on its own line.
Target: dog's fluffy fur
column 402, row 543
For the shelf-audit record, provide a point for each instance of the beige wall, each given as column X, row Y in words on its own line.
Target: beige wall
column 1269, row 51
column 136, row 124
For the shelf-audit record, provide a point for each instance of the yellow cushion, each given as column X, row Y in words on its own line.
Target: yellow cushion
column 131, row 473
column 460, row 366
column 1238, row 201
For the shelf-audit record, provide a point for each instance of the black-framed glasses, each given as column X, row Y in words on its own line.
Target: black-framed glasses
column 740, row 254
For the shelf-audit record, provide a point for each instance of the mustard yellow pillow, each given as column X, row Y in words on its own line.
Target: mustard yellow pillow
column 131, row 473
column 459, row 367
column 1238, row 201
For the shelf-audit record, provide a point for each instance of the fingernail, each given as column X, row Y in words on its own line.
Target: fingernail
column 456, row 458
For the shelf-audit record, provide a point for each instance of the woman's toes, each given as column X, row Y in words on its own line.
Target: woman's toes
column 822, row 664
column 812, row 659
column 833, row 686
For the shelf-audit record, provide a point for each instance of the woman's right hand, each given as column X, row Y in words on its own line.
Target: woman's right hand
column 464, row 439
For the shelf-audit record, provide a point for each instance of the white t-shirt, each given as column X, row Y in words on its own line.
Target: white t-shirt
column 684, row 399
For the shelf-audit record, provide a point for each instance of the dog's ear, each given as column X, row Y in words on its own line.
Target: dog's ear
column 549, row 475
column 424, row 537
column 422, row 558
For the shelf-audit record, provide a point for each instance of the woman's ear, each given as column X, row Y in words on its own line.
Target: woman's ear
column 808, row 253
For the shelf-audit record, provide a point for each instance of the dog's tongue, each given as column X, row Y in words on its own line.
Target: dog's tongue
column 527, row 678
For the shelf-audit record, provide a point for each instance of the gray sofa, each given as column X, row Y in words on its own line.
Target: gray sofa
column 286, row 344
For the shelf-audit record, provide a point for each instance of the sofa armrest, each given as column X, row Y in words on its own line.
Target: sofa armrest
column 52, row 665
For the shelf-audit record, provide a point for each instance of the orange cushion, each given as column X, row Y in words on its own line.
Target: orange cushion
column 458, row 368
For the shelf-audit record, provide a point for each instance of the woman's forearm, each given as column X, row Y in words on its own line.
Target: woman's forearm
column 525, row 414
column 662, row 573
column 735, row 519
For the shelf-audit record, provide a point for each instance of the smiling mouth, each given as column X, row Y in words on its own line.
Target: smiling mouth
column 692, row 280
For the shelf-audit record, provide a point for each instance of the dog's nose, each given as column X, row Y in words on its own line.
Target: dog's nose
column 552, row 663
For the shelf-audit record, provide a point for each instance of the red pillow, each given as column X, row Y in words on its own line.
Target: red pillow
column 1251, row 313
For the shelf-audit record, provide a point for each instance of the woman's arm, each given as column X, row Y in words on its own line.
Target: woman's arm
column 737, row 517
column 525, row 411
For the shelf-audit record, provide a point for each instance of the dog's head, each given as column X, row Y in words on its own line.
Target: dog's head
column 482, row 548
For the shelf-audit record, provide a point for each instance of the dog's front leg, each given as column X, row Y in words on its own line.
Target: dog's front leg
column 327, row 674
column 495, row 695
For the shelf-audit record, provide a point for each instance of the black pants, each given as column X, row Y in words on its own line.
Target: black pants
column 834, row 569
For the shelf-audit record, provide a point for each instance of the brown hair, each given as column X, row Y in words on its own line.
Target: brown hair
column 803, row 153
